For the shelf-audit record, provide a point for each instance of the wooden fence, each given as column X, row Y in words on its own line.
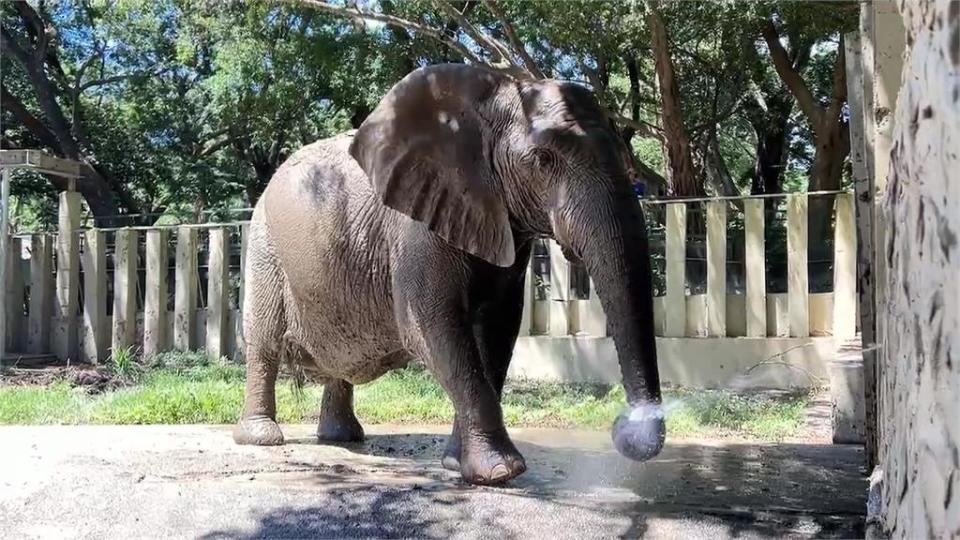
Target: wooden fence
column 153, row 289
column 681, row 311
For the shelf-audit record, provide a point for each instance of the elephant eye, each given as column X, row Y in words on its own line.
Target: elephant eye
column 545, row 159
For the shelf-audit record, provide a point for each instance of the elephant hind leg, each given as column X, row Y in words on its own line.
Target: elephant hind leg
column 264, row 325
column 338, row 423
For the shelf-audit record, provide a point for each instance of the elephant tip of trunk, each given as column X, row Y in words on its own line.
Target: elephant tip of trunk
column 639, row 432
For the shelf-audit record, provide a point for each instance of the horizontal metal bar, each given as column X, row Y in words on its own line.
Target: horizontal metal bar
column 175, row 226
column 148, row 214
column 738, row 198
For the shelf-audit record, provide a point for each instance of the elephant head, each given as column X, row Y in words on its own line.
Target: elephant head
column 486, row 161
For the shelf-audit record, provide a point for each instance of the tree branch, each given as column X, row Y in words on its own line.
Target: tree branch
column 518, row 47
column 27, row 120
column 11, row 47
column 790, row 77
column 839, row 94
column 644, row 129
column 363, row 15
column 35, row 27
column 499, row 56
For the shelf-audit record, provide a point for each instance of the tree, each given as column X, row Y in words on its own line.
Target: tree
column 682, row 178
column 30, row 41
column 831, row 138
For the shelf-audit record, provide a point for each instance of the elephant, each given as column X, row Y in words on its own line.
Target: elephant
column 409, row 238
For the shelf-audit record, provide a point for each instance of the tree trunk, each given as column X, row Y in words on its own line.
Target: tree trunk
column 680, row 171
column 919, row 312
column 832, row 146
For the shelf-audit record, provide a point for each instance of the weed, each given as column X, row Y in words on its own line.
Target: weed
column 123, row 364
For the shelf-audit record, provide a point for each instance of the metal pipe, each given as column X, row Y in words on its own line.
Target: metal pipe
column 176, row 226
column 738, row 198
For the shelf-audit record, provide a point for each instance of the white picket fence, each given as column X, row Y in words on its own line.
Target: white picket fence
column 717, row 313
column 57, row 286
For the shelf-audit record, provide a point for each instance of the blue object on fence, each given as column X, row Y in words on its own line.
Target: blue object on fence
column 639, row 189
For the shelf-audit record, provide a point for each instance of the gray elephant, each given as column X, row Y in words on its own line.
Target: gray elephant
column 409, row 238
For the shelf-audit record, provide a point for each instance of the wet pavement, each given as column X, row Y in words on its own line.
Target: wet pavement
column 192, row 481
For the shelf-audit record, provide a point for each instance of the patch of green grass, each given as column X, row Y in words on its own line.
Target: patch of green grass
column 58, row 403
column 189, row 388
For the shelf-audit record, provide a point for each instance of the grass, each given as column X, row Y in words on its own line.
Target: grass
column 190, row 389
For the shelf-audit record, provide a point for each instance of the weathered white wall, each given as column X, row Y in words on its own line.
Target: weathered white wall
column 919, row 319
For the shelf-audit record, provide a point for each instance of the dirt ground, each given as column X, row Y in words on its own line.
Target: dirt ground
column 192, row 481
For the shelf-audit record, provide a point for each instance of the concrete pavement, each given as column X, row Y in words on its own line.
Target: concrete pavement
column 192, row 481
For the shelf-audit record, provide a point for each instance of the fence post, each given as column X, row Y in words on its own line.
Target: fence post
column 217, row 299
column 844, row 269
column 94, row 296
column 14, row 296
column 717, row 269
column 155, row 295
column 559, row 291
column 798, row 288
column 41, row 293
column 4, row 239
column 756, row 268
column 857, row 51
column 526, row 319
column 185, row 294
column 68, row 276
column 593, row 320
column 244, row 242
column 124, row 290
column 675, row 303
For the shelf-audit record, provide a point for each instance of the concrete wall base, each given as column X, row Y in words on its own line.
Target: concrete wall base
column 730, row 363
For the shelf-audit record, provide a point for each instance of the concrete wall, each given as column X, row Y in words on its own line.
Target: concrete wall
column 732, row 363
column 919, row 310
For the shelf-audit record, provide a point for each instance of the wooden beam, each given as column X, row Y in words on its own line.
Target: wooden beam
column 676, row 256
column 185, row 294
column 41, row 294
column 559, row 291
column 526, row 320
column 40, row 162
column 155, row 295
column 124, row 291
column 755, row 268
column 716, row 269
column 217, row 297
column 844, row 269
column 68, row 276
column 244, row 245
column 860, row 97
column 95, row 345
column 798, row 287
column 14, row 296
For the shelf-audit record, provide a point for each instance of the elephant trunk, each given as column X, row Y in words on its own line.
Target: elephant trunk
column 611, row 239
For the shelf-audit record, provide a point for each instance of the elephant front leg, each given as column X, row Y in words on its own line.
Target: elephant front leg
column 258, row 422
column 495, row 332
column 485, row 453
column 338, row 423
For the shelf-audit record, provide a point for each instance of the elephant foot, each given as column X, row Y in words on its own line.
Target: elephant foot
column 339, row 428
column 258, row 430
column 490, row 459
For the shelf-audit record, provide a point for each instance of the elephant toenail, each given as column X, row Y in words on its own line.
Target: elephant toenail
column 499, row 473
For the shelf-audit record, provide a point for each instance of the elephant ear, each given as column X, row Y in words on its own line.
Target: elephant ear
column 423, row 151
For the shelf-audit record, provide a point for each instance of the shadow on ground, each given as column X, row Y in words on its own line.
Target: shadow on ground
column 395, row 488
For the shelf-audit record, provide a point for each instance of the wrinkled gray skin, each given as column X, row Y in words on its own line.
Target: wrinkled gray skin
column 409, row 239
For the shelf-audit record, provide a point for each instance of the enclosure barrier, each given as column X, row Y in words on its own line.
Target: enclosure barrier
column 87, row 292
column 718, row 312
